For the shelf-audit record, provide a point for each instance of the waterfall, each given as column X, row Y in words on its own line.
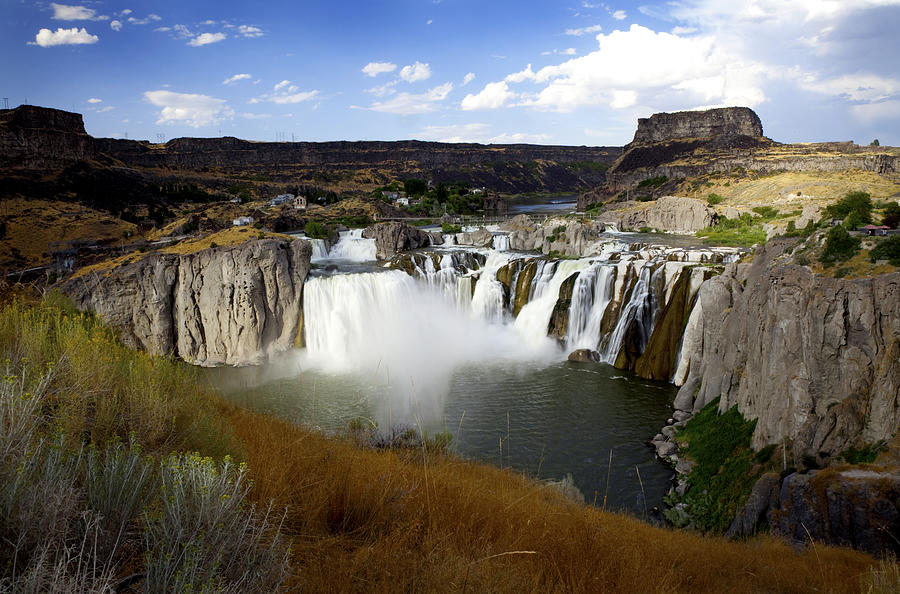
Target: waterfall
column 319, row 249
column 501, row 242
column 591, row 295
column 640, row 309
column 402, row 333
column 534, row 318
column 352, row 246
column 488, row 301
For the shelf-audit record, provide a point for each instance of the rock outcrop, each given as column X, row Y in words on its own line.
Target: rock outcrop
column 813, row 359
column 394, row 238
column 670, row 214
column 712, row 123
column 219, row 306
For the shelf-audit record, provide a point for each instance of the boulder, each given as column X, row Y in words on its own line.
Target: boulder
column 584, row 356
column 758, row 503
column 670, row 213
column 481, row 237
column 394, row 237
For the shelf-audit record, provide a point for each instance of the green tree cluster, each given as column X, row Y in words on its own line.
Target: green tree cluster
column 839, row 246
column 854, row 209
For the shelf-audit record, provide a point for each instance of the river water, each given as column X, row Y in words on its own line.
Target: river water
column 442, row 355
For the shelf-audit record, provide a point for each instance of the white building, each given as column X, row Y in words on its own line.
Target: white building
column 241, row 221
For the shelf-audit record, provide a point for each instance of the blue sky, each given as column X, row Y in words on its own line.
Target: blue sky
column 578, row 72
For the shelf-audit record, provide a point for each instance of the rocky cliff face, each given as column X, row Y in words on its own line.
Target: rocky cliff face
column 394, row 238
column 37, row 137
column 813, row 359
column 669, row 213
column 219, row 306
column 712, row 123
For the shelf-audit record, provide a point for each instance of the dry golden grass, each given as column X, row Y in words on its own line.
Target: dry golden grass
column 227, row 237
column 792, row 190
column 31, row 225
column 398, row 521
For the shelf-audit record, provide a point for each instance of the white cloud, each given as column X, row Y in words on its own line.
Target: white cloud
column 127, row 11
column 373, row 69
column 683, row 30
column 115, row 25
column 476, row 132
column 876, row 112
column 249, row 31
column 383, row 90
column 233, row 79
column 150, row 18
column 290, row 98
column 429, row 21
column 286, row 93
column 492, row 96
column 468, row 78
column 584, row 30
column 95, row 100
column 636, row 66
column 105, row 109
column 619, row 15
column 413, row 103
column 856, row 87
column 206, row 39
column 415, row 72
column 189, row 109
column 73, row 36
column 517, row 77
column 255, row 116
column 63, row 12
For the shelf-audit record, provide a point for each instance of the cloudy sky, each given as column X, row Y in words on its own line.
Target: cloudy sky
column 563, row 72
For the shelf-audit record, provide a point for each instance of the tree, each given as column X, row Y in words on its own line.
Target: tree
column 891, row 215
column 441, row 192
column 415, row 187
column 858, row 202
column 839, row 245
column 875, row 143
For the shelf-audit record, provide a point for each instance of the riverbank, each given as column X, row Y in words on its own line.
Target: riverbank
column 391, row 519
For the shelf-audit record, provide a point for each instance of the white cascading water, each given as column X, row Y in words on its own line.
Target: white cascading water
column 534, row 318
column 353, row 247
column 488, row 302
column 640, row 308
column 591, row 295
column 405, row 335
column 500, row 243
column 319, row 249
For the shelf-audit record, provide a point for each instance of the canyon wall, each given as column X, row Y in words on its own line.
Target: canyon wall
column 712, row 123
column 219, row 306
column 816, row 360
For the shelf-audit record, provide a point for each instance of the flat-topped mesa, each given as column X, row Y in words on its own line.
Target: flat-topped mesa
column 46, row 118
column 709, row 124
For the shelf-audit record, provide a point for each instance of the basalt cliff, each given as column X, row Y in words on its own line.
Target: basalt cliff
column 672, row 147
column 218, row 306
column 37, row 139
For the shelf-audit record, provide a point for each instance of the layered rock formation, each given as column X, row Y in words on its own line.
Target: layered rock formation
column 712, row 123
column 219, row 306
column 813, row 359
column 670, row 213
column 696, row 143
column 394, row 238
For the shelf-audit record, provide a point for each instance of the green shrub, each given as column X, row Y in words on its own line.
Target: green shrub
column 645, row 230
column 863, row 455
column 854, row 202
column 839, row 246
column 450, row 228
column 644, row 198
column 742, row 231
column 317, row 230
column 890, row 217
column 721, row 480
column 887, row 249
column 714, row 199
column 766, row 212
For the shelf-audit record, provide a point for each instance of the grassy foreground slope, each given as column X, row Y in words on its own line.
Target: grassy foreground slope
column 390, row 520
